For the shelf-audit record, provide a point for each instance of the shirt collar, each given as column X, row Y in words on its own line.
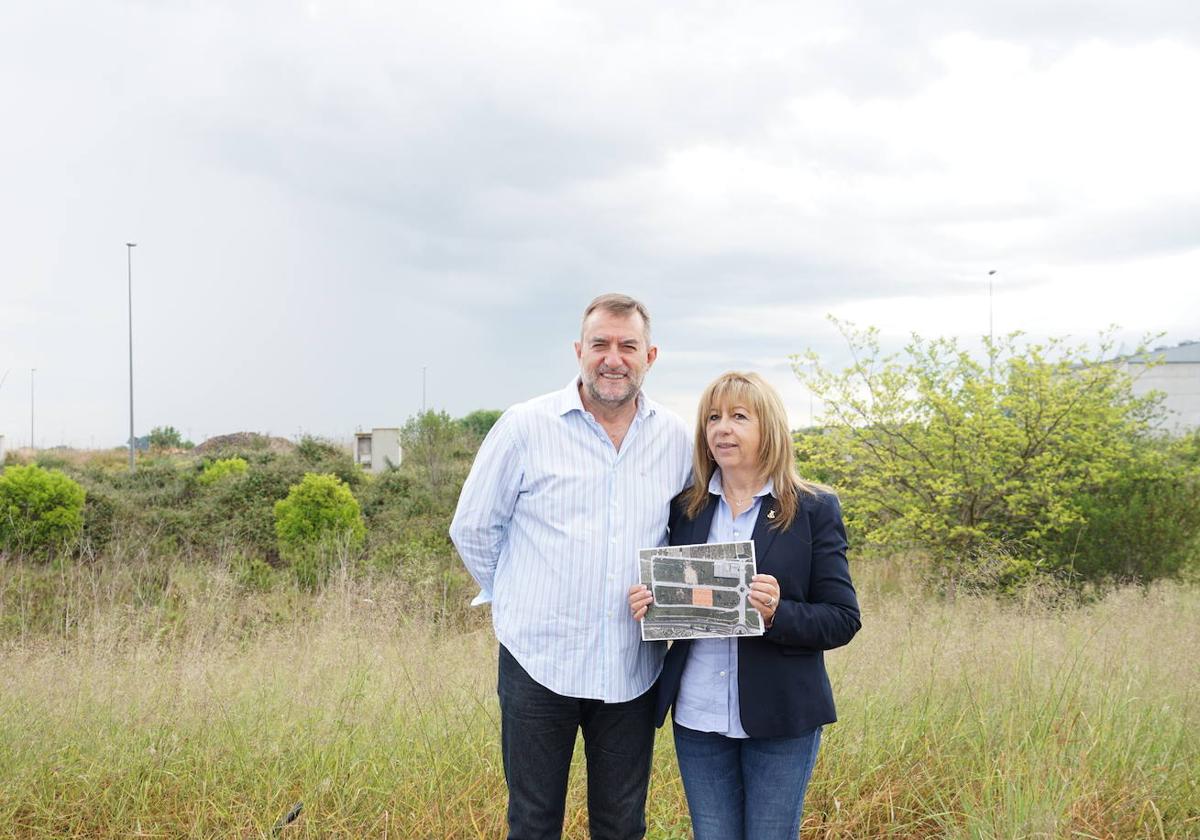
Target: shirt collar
column 714, row 486
column 569, row 400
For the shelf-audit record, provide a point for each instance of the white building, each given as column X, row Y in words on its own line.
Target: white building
column 377, row 449
column 1174, row 371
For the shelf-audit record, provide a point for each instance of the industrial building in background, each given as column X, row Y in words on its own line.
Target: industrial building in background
column 1174, row 372
column 378, row 449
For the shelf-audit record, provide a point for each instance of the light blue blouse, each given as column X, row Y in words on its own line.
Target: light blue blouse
column 708, row 689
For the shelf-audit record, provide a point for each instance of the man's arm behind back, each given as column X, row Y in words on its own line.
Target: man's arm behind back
column 486, row 504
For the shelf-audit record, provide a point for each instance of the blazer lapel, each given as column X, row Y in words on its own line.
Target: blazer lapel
column 764, row 534
column 703, row 523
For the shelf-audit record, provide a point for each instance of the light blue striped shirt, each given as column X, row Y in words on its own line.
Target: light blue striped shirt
column 708, row 690
column 549, row 524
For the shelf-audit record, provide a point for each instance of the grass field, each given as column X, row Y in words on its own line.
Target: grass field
column 162, row 700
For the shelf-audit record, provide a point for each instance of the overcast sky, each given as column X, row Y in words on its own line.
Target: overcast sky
column 328, row 197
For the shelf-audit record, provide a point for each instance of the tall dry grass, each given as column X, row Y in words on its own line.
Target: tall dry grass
column 156, row 699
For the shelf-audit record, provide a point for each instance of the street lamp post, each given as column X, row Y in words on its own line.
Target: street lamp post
column 991, row 274
column 32, row 439
column 991, row 335
column 129, row 246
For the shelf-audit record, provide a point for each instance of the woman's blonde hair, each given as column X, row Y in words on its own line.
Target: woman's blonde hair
column 775, row 447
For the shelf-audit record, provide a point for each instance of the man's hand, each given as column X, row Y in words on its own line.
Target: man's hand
column 640, row 600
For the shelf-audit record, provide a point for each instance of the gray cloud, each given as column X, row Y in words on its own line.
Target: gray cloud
column 329, row 198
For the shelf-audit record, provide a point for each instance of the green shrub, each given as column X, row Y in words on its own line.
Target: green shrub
column 11, row 457
column 318, row 509
column 384, row 492
column 252, row 572
column 322, row 456
column 318, row 521
column 51, row 460
column 100, row 517
column 222, row 468
column 313, row 450
column 1143, row 525
column 213, row 508
column 241, row 512
column 157, row 482
column 41, row 511
column 398, row 495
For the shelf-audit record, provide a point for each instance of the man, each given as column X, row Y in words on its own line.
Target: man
column 564, row 491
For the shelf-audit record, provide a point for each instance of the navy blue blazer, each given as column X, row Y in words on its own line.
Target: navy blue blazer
column 783, row 687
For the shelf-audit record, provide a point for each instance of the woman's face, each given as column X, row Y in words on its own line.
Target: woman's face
column 734, row 437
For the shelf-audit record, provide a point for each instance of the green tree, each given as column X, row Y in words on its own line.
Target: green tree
column 480, row 421
column 433, row 443
column 167, row 437
column 936, row 450
column 40, row 510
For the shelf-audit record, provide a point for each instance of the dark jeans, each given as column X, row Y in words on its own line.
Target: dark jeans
column 745, row 788
column 537, row 735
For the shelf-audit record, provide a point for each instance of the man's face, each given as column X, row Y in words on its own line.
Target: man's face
column 613, row 357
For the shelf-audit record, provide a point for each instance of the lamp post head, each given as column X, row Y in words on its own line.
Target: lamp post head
column 990, row 273
column 130, row 244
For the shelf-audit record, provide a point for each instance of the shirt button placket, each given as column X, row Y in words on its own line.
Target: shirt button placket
column 607, row 653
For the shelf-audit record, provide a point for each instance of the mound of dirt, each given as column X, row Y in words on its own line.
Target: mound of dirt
column 244, row 441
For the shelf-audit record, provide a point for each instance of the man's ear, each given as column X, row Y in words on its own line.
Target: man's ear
column 651, row 355
column 579, row 351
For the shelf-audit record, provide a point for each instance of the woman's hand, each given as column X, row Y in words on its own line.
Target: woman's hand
column 764, row 597
column 640, row 600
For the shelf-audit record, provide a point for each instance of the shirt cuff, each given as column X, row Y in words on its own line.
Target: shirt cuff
column 484, row 597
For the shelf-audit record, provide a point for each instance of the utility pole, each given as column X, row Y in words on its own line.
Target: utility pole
column 991, row 274
column 32, row 439
column 129, row 246
column 991, row 335
column 422, row 389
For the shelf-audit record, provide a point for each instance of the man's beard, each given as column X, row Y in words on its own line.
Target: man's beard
column 592, row 383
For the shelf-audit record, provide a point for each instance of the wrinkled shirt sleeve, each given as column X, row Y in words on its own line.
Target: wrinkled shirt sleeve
column 486, row 504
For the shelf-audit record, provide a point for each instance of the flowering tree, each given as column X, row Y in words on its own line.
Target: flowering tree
column 934, row 449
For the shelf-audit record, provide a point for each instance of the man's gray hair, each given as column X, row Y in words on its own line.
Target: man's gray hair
column 619, row 304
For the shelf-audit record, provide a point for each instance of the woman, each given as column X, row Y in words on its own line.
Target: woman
column 748, row 712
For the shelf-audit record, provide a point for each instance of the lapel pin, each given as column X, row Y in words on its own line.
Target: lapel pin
column 771, row 513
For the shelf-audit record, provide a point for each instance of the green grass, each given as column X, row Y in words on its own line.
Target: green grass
column 164, row 700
